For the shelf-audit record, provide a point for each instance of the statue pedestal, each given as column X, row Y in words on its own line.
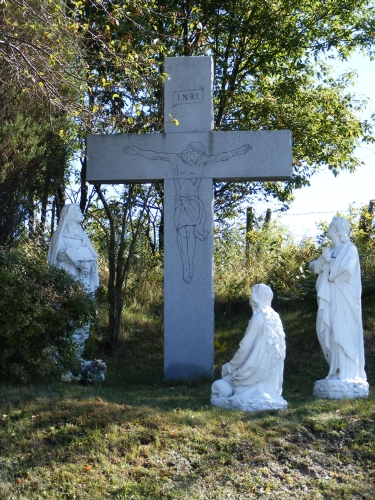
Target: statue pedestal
column 249, row 404
column 330, row 388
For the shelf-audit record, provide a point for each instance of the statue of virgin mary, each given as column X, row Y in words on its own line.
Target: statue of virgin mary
column 72, row 250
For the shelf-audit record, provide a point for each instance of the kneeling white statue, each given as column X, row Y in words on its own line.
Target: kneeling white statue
column 253, row 379
column 339, row 319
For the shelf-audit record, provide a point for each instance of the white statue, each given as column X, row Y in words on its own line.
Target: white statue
column 71, row 248
column 253, row 379
column 339, row 319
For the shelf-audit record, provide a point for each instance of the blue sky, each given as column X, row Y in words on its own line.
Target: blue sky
column 328, row 194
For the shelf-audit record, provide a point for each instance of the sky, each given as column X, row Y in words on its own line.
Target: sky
column 328, row 194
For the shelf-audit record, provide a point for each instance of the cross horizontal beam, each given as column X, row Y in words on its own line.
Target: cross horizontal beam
column 118, row 158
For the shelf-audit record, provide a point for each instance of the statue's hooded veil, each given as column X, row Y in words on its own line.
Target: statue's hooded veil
column 64, row 228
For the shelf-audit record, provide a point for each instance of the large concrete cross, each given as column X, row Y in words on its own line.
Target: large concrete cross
column 189, row 157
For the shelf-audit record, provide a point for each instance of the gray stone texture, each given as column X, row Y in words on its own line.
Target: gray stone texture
column 189, row 157
column 269, row 158
column 188, row 307
column 188, row 94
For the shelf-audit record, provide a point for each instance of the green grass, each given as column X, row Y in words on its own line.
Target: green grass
column 137, row 437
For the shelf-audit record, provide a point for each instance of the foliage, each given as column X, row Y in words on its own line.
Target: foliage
column 272, row 71
column 40, row 309
column 41, row 48
column 270, row 255
column 33, row 163
column 121, row 230
column 97, row 67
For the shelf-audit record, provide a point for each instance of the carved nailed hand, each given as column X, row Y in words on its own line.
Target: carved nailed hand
column 130, row 150
column 244, row 149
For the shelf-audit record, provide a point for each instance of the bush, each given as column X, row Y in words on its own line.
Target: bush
column 40, row 309
column 272, row 257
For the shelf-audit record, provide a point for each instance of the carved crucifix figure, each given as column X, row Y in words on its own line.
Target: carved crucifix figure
column 189, row 157
column 190, row 215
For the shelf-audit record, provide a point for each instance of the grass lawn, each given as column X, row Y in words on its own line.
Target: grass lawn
column 137, row 437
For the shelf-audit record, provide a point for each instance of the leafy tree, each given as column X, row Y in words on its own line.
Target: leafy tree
column 36, row 93
column 119, row 83
column 119, row 228
column 273, row 257
column 33, row 163
column 41, row 51
column 271, row 72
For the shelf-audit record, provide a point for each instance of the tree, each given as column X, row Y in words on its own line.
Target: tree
column 270, row 73
column 33, row 162
column 37, row 92
column 119, row 85
column 119, row 224
column 41, row 51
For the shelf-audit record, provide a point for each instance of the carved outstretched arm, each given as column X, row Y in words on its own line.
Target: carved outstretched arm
column 150, row 155
column 228, row 154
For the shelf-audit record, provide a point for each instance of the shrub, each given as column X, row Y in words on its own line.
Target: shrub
column 273, row 258
column 40, row 309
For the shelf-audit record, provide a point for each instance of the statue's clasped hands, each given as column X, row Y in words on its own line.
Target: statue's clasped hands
column 326, row 254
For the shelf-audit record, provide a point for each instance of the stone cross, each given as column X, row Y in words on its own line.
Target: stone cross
column 189, row 157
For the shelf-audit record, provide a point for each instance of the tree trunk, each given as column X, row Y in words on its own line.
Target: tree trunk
column 249, row 227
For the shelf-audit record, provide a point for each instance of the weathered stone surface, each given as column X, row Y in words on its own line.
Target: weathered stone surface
column 188, row 94
column 188, row 157
column 269, row 157
column 341, row 389
column 72, row 250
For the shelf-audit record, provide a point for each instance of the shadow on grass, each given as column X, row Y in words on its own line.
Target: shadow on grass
column 112, row 431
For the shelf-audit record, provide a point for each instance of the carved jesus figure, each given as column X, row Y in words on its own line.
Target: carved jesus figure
column 190, row 215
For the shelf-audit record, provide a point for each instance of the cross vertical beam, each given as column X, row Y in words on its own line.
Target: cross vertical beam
column 188, row 296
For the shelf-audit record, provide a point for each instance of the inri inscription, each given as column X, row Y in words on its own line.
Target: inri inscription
column 188, row 96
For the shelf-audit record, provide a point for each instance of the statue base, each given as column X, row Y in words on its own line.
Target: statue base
column 330, row 388
column 248, row 399
column 249, row 404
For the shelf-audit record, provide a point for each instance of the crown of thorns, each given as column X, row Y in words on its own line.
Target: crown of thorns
column 197, row 147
